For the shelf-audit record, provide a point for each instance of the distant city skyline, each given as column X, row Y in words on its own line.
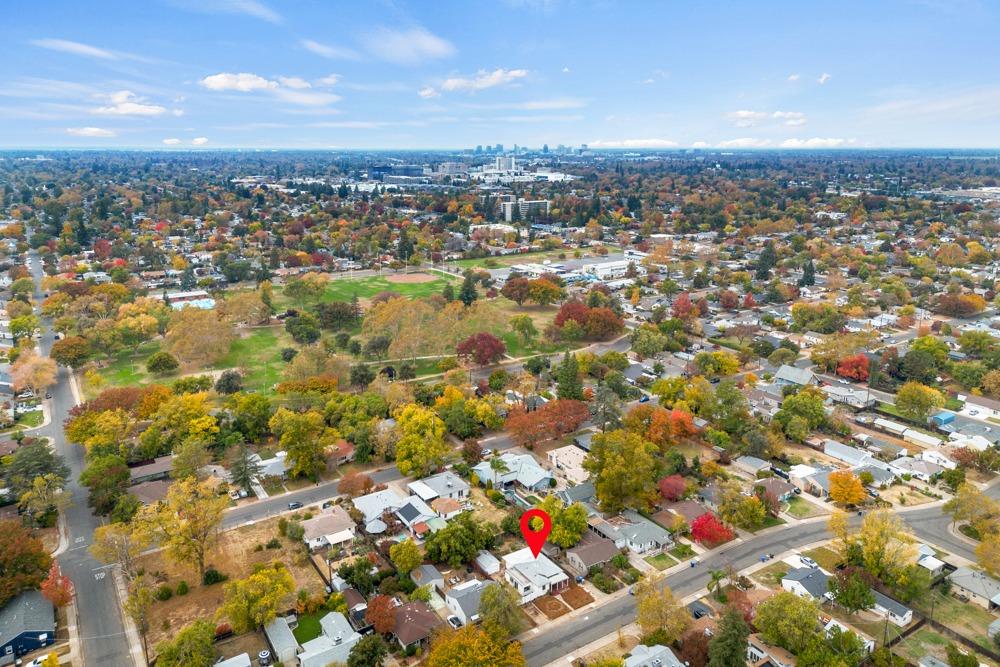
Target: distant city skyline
column 452, row 75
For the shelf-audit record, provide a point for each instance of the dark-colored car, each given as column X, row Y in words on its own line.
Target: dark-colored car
column 294, row 505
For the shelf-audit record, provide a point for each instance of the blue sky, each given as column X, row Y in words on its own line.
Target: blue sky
column 444, row 74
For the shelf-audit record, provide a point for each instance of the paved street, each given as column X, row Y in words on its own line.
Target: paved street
column 928, row 524
column 101, row 629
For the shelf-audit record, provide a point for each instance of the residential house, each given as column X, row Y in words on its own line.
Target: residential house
column 415, row 622
column 776, row 487
column 447, row 508
column 27, row 623
column 794, row 376
column 751, row 465
column 939, row 457
column 569, row 461
column 858, row 399
column 443, row 485
column 282, row 640
column 633, row 531
column 428, row 575
column 331, row 527
column 533, row 577
column 896, row 612
column 592, row 551
column 373, row 505
column 652, row 656
column 271, row 467
column 152, row 492
column 158, row 468
column 979, row 587
column 922, row 470
column 333, row 645
column 852, row 456
column 761, row 653
column 463, row 599
column 807, row 582
column 580, row 493
column 520, row 469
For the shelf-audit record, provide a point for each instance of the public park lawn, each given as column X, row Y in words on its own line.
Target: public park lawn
column 344, row 288
column 258, row 354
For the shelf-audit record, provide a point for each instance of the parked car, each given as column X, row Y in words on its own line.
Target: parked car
column 644, row 398
column 295, row 505
column 808, row 562
column 454, row 622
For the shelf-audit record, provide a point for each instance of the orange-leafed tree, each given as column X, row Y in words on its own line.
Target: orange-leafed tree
column 846, row 487
column 57, row 587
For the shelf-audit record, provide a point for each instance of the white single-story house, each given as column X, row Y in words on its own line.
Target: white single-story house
column 533, row 577
column 331, row 527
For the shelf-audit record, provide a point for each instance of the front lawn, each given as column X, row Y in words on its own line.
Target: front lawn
column 771, row 575
column 682, row 552
column 803, row 509
column 660, row 561
column 827, row 558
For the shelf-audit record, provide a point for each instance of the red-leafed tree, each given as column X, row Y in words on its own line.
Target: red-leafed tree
column 482, row 348
column 682, row 308
column 517, row 290
column 57, row 588
column 694, row 648
column 702, row 306
column 572, row 310
column 709, row 531
column 854, row 367
column 381, row 613
column 729, row 299
column 672, row 487
column 552, row 420
column 749, row 301
column 740, row 601
column 602, row 324
column 965, row 456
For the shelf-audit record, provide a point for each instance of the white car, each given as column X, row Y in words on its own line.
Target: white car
column 807, row 561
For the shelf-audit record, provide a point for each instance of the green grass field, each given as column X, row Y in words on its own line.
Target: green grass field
column 803, row 509
column 510, row 260
column 259, row 355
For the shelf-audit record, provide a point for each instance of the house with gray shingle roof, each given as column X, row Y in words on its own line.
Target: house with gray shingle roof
column 463, row 599
column 980, row 587
column 27, row 623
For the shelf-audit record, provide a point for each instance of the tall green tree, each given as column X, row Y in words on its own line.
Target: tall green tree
column 568, row 380
column 467, row 294
column 728, row 647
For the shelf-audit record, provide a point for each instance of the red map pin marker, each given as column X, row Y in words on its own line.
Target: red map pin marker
column 536, row 538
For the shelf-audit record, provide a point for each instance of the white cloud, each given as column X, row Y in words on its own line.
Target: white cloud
column 815, row 142
column 172, row 141
column 293, row 90
column 75, row 48
column 746, row 118
column 428, row 92
column 410, row 46
column 295, row 82
column 790, row 118
column 534, row 105
column 89, row 132
column 127, row 103
column 633, row 143
column 177, row 112
column 199, row 141
column 794, row 77
column 242, row 82
column 328, row 50
column 565, row 70
column 823, row 78
column 483, row 79
column 648, row 82
column 744, row 142
column 306, row 98
column 251, row 8
column 701, row 144
column 328, row 80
